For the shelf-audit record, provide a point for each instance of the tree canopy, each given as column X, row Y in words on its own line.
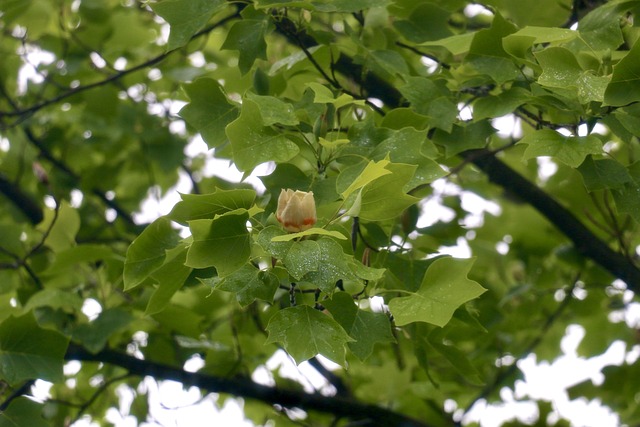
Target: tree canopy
column 382, row 109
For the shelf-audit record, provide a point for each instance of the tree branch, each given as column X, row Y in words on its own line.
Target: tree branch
column 23, row 201
column 365, row 414
column 585, row 242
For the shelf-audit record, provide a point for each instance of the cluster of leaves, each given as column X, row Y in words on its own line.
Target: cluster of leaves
column 364, row 102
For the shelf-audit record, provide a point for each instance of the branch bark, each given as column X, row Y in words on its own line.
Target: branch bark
column 364, row 414
column 23, row 201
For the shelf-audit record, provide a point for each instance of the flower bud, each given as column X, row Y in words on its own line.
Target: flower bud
column 296, row 210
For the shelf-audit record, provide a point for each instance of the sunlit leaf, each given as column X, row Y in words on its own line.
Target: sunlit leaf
column 444, row 288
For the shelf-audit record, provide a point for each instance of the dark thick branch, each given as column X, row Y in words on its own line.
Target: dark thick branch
column 365, row 414
column 583, row 239
column 29, row 207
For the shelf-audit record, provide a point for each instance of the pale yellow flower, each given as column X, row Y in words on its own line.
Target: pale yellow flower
column 296, row 210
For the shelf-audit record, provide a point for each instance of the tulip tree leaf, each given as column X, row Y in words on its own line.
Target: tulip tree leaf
column 570, row 150
column 148, row 251
column 253, row 143
column 249, row 283
column 372, row 171
column 94, row 335
column 207, row 206
column 365, row 327
column 273, row 110
column 599, row 174
column 305, row 332
column 560, row 69
column 209, row 111
column 486, row 54
column 223, row 243
column 315, row 231
column 430, row 100
column 301, row 258
column 28, row 351
column 385, row 198
column 464, row 137
column 625, row 82
column 247, row 37
column 444, row 288
column 186, row 17
column 23, row 412
column 170, row 277
column 332, row 266
column 628, row 200
column 277, row 248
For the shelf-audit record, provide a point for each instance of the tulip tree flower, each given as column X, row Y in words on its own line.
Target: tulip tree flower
column 296, row 210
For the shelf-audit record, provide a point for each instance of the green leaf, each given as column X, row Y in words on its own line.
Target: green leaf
column 94, row 335
column 209, row 111
column 385, row 197
column 315, row 231
column 323, row 95
column 249, row 283
column 426, row 22
column 223, row 243
column 28, row 351
column 486, row 54
column 456, row 45
column 518, row 43
column 277, row 249
column 464, row 137
column 431, row 100
column 247, row 37
column 371, row 172
column 332, row 266
column 208, row 206
column 570, row 150
column 186, row 17
column 70, row 258
column 23, row 412
column 500, row 105
column 365, row 327
column 147, row 252
column 628, row 200
column 560, row 69
column 170, row 277
column 456, row 357
column 63, row 232
column 301, row 258
column 599, row 174
column 254, row 143
column 305, row 332
column 274, row 111
column 625, row 81
column 444, row 288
